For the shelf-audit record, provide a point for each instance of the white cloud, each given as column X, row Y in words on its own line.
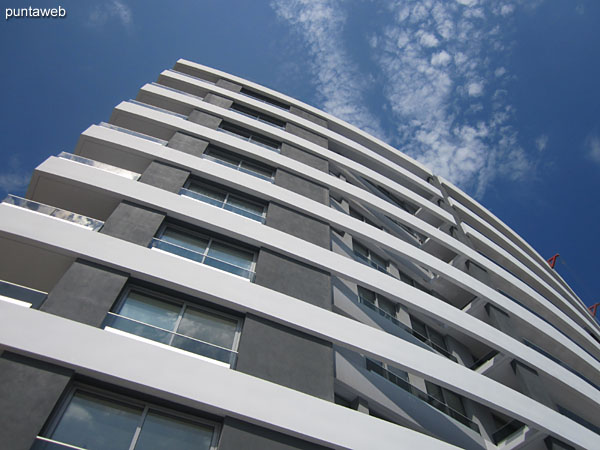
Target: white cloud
column 442, row 104
column 428, row 40
column 593, row 147
column 541, row 142
column 12, row 182
column 467, row 2
column 441, row 59
column 475, row 89
column 339, row 83
column 111, row 10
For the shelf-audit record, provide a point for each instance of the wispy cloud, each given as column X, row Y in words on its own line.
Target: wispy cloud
column 443, row 68
column 592, row 144
column 340, row 85
column 541, row 142
column 111, row 10
column 13, row 182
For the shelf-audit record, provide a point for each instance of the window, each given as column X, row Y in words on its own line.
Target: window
column 221, row 198
column 238, row 163
column 258, row 115
column 368, row 257
column 354, row 213
column 177, row 324
column 385, row 306
column 397, row 376
column 448, row 402
column 264, row 99
column 250, row 136
column 95, row 421
column 429, row 336
column 406, row 206
column 206, row 250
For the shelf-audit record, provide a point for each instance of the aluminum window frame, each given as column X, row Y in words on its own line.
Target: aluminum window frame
column 210, row 239
column 212, row 154
column 228, row 193
column 184, row 305
column 58, row 412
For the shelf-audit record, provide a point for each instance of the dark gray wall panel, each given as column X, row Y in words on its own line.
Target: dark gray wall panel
column 308, row 116
column 305, row 134
column 286, row 357
column 133, row 223
column 207, row 120
column 241, row 435
column 218, row 100
column 298, row 225
column 165, row 177
column 304, row 157
column 85, row 293
column 228, row 85
column 29, row 390
column 531, row 385
column 301, row 186
column 187, row 144
column 293, row 278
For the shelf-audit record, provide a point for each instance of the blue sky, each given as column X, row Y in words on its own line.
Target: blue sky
column 501, row 97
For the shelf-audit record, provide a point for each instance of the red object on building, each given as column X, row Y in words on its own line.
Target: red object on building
column 552, row 261
column 594, row 308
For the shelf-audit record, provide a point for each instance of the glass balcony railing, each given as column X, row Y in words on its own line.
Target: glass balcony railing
column 273, row 122
column 425, row 340
column 99, row 165
column 43, row 443
column 11, row 291
column 51, row 211
column 369, row 262
column 172, row 339
column 424, row 396
column 202, row 258
column 134, row 133
column 221, row 204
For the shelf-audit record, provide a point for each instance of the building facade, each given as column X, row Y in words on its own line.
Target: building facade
column 222, row 266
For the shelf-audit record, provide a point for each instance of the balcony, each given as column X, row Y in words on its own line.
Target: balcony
column 373, row 366
column 51, row 211
column 21, row 295
column 99, row 165
column 202, row 258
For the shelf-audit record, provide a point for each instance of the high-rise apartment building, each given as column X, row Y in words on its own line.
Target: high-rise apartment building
column 222, row 266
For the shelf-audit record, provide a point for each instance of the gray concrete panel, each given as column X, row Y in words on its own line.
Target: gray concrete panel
column 218, row 100
column 285, row 275
column 29, row 390
column 133, row 223
column 206, row 120
column 241, row 435
column 85, row 293
column 308, row 116
column 301, row 186
column 187, row 144
column 298, row 225
column 304, row 157
column 531, row 384
column 164, row 176
column 305, row 134
column 228, row 85
column 287, row 357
